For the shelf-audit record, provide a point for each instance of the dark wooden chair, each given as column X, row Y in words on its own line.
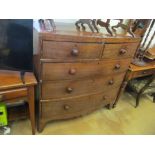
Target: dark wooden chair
column 142, row 86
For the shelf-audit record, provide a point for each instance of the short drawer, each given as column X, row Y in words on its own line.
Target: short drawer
column 73, row 107
column 64, row 71
column 71, row 51
column 70, row 88
column 13, row 94
column 114, row 51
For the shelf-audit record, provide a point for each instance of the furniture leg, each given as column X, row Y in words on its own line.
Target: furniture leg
column 31, row 107
column 109, row 31
column 137, row 99
column 77, row 26
column 41, row 125
column 154, row 98
column 91, row 27
column 83, row 27
column 143, row 89
column 110, row 106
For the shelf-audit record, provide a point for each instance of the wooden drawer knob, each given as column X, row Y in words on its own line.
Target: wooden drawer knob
column 66, row 107
column 111, row 82
column 72, row 71
column 69, row 89
column 75, row 52
column 144, row 72
column 1, row 97
column 117, row 66
column 123, row 51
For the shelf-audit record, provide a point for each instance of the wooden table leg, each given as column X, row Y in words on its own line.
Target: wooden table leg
column 143, row 89
column 31, row 107
column 154, row 97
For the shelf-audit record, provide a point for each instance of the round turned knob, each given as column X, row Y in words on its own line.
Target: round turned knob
column 75, row 52
column 72, row 71
column 111, row 82
column 69, row 89
column 66, row 107
column 123, row 51
column 144, row 72
column 1, row 97
column 117, row 66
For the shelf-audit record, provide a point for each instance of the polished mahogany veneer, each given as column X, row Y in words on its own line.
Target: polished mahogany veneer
column 79, row 72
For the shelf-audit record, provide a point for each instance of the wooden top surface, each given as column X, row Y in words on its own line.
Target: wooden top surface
column 11, row 79
column 135, row 68
column 85, row 37
column 150, row 53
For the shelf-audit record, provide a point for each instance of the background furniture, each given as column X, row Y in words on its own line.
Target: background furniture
column 136, row 72
column 142, row 86
column 79, row 72
column 150, row 53
column 140, row 26
column 13, row 90
column 17, row 111
column 145, row 44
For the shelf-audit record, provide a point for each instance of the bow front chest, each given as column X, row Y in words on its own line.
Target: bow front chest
column 79, row 72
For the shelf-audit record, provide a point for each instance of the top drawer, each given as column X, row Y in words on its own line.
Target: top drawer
column 142, row 73
column 116, row 51
column 71, row 51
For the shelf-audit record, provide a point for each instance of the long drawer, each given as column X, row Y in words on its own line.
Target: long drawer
column 70, row 50
column 64, row 71
column 72, row 107
column 70, row 88
column 119, row 51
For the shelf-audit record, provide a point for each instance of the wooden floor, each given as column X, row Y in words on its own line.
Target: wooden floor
column 124, row 119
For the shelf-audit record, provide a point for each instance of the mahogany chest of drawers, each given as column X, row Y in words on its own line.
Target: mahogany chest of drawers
column 79, row 72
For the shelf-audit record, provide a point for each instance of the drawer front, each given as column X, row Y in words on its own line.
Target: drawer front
column 68, row 108
column 70, row 88
column 114, row 51
column 71, row 51
column 143, row 73
column 13, row 94
column 64, row 71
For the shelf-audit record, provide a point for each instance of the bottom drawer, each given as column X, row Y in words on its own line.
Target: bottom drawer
column 73, row 107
